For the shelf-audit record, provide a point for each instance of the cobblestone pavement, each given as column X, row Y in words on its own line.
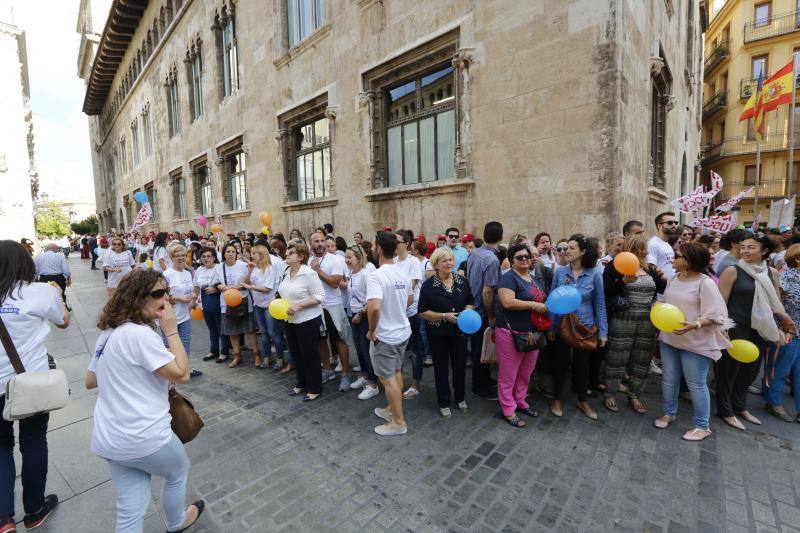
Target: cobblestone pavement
column 268, row 462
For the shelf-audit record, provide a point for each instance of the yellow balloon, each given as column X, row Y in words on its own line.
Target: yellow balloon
column 743, row 351
column 666, row 317
column 278, row 309
column 149, row 263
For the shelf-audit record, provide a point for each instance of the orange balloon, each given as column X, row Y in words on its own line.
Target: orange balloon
column 265, row 218
column 626, row 263
column 197, row 313
column 216, row 228
column 232, row 297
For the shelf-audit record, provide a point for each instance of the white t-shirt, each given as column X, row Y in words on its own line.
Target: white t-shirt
column 370, row 267
column 203, row 277
column 661, row 254
column 160, row 253
column 235, row 275
column 102, row 253
column 26, row 319
column 180, row 284
column 131, row 416
column 332, row 265
column 268, row 278
column 391, row 285
column 123, row 260
column 144, row 249
column 412, row 268
column 358, row 289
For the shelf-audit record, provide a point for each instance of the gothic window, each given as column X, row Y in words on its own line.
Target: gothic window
column 661, row 87
column 174, row 110
column 227, row 53
column 135, row 141
column 233, row 162
column 194, row 68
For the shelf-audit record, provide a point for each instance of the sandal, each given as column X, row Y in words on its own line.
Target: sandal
column 515, row 421
column 310, row 397
column 295, row 391
column 696, row 434
column 610, row 403
column 638, row 405
column 663, row 421
column 533, row 413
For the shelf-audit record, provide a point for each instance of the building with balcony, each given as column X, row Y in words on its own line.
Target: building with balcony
column 17, row 165
column 412, row 113
column 744, row 39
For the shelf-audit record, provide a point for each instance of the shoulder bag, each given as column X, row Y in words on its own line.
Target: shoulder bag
column 240, row 310
column 575, row 334
column 186, row 423
column 31, row 393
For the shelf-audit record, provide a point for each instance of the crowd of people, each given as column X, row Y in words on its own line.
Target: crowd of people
column 358, row 311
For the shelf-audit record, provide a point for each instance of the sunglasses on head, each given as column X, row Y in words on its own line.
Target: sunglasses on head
column 158, row 293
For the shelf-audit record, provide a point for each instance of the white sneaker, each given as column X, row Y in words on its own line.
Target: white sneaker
column 357, row 369
column 411, row 392
column 359, row 383
column 462, row 406
column 654, row 369
column 383, row 413
column 338, row 367
column 445, row 412
column 368, row 392
column 391, row 429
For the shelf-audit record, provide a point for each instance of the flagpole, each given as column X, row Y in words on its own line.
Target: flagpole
column 758, row 180
column 790, row 186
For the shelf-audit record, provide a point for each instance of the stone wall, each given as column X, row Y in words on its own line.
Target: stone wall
column 554, row 113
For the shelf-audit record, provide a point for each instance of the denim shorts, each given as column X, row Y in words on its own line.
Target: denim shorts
column 387, row 359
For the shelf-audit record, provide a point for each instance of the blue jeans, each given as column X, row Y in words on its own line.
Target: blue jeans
column 131, row 481
column 271, row 332
column 424, row 344
column 33, row 448
column 775, row 373
column 362, row 349
column 694, row 368
column 185, row 334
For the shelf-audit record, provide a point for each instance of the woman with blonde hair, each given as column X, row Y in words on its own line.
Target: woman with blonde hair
column 117, row 262
column 181, row 295
column 263, row 281
column 631, row 335
column 356, row 259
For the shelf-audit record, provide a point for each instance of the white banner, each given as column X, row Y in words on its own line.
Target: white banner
column 734, row 200
column 716, row 185
column 693, row 202
column 781, row 213
column 144, row 215
column 719, row 223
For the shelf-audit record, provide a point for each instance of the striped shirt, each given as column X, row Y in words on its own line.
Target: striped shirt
column 51, row 263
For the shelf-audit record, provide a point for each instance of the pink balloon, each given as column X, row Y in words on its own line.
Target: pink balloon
column 202, row 221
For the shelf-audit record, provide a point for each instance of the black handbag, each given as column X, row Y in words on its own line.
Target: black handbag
column 240, row 310
column 527, row 341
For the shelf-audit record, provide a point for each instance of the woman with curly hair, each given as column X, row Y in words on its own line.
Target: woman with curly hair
column 132, row 371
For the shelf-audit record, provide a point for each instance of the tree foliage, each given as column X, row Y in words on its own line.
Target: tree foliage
column 86, row 226
column 51, row 220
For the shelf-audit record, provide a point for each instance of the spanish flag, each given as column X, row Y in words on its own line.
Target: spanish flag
column 750, row 107
column 778, row 89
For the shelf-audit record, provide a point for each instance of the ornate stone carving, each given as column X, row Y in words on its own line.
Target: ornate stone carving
column 463, row 57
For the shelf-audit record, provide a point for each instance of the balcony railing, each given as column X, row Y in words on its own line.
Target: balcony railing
column 715, row 103
column 772, row 27
column 717, row 56
column 748, row 85
column 772, row 142
column 766, row 189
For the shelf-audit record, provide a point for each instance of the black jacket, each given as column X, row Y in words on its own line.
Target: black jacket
column 613, row 284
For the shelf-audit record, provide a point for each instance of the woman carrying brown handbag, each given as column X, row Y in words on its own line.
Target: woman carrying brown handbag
column 580, row 272
column 132, row 371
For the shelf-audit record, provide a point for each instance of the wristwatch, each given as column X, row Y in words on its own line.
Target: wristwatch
column 699, row 325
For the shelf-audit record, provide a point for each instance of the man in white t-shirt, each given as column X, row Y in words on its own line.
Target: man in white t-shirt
column 332, row 270
column 389, row 293
column 659, row 251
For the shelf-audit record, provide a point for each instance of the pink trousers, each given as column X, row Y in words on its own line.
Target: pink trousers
column 514, row 371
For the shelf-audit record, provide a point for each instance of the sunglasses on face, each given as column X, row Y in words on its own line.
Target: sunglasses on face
column 561, row 250
column 452, row 236
column 522, row 257
column 158, row 293
column 670, row 223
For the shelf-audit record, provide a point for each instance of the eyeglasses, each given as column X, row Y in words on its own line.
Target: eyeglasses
column 206, row 256
column 291, row 252
column 670, row 222
column 524, row 257
column 561, row 250
column 453, row 236
column 158, row 293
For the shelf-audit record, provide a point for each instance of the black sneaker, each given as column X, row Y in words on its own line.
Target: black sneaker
column 32, row 521
column 194, row 373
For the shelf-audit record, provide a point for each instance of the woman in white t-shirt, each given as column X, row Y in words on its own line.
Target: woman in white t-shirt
column 265, row 274
column 132, row 371
column 160, row 254
column 356, row 260
column 117, row 262
column 231, row 274
column 181, row 296
column 410, row 266
column 144, row 246
column 27, row 307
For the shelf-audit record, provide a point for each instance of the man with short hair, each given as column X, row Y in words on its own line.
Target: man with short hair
column 632, row 227
column 483, row 271
column 731, row 242
column 459, row 252
column 332, row 269
column 660, row 252
column 52, row 266
column 389, row 293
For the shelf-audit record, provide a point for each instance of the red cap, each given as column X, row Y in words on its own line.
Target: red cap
column 441, row 237
column 103, row 240
column 467, row 237
column 387, row 228
column 431, row 247
column 420, row 237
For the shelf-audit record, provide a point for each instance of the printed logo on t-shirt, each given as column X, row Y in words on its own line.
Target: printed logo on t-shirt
column 8, row 309
column 400, row 286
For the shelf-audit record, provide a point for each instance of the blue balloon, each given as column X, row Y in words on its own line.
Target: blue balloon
column 564, row 300
column 141, row 197
column 469, row 321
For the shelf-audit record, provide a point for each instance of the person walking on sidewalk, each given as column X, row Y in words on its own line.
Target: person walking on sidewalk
column 389, row 293
column 52, row 266
column 132, row 371
column 28, row 307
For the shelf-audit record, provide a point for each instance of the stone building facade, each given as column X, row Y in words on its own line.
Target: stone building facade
column 17, row 165
column 564, row 115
